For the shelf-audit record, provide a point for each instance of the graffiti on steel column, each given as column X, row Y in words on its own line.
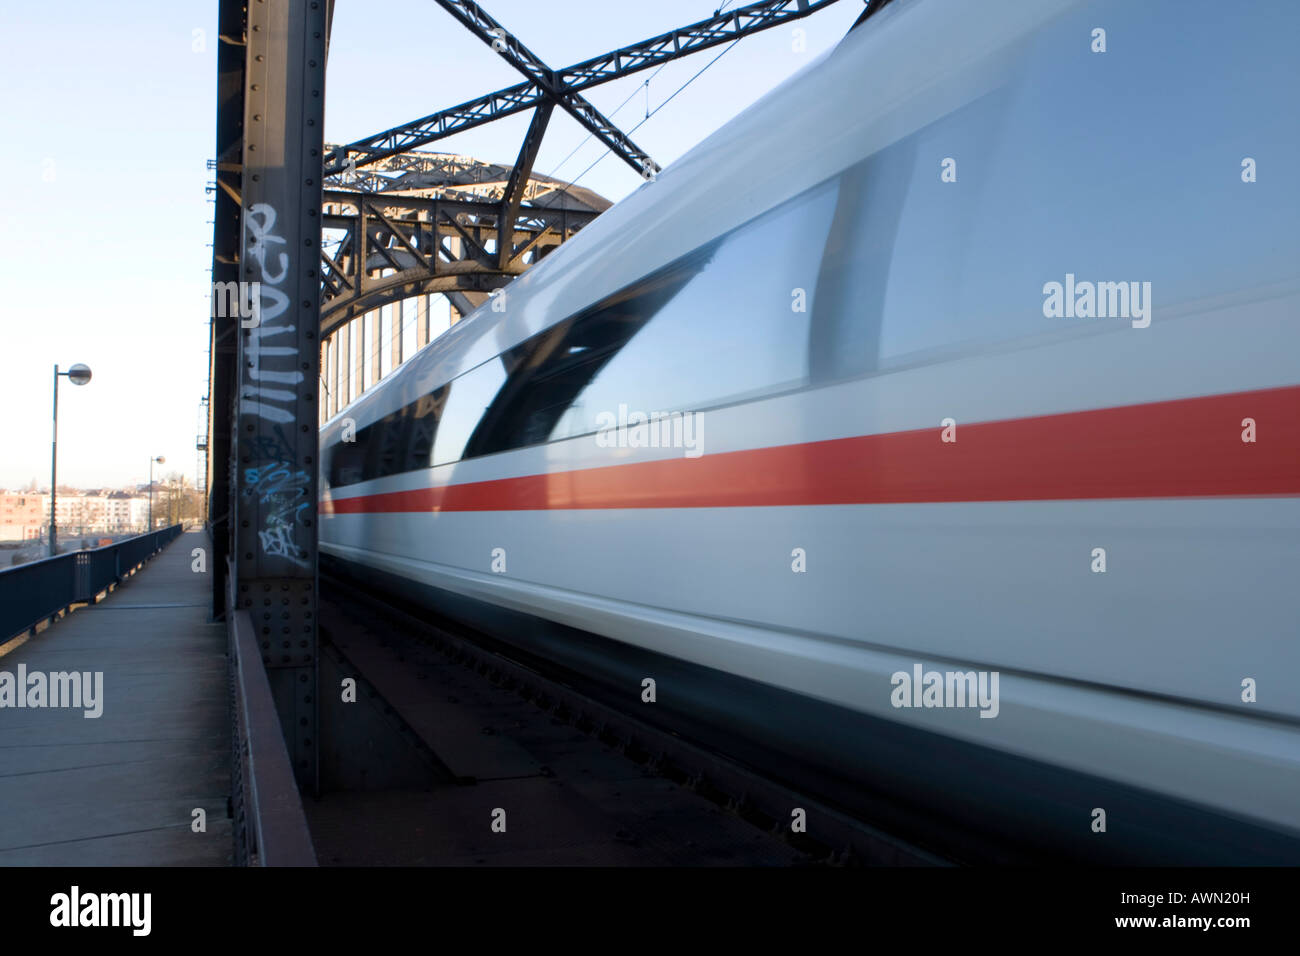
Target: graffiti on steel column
column 269, row 391
column 264, row 389
column 270, row 447
column 284, row 493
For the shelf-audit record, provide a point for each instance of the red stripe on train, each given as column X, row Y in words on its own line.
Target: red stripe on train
column 1181, row 448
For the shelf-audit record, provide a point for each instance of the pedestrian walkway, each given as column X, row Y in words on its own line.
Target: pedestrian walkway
column 121, row 788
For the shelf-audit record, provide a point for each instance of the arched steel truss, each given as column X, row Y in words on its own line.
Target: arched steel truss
column 472, row 247
column 437, row 226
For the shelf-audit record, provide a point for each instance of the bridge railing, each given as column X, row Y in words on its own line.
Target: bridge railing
column 33, row 592
column 270, row 827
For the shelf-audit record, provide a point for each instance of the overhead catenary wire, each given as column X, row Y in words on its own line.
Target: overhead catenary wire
column 649, row 112
column 696, row 76
column 616, row 111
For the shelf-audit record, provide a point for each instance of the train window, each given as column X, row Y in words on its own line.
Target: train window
column 385, row 442
column 736, row 329
column 426, row 413
column 469, row 397
column 403, row 441
column 347, row 460
column 397, row 443
column 548, row 372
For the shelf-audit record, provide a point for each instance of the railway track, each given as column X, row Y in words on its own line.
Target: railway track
column 502, row 762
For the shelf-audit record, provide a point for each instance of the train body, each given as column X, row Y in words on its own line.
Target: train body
column 962, row 365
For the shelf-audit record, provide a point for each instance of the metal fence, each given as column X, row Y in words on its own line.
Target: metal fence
column 31, row 593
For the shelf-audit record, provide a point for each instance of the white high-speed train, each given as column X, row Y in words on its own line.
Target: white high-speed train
column 972, row 350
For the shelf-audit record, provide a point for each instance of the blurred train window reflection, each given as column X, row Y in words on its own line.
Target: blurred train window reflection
column 471, row 394
column 737, row 330
column 726, row 322
column 548, row 370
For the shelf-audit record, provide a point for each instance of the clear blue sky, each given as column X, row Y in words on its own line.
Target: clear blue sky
column 108, row 118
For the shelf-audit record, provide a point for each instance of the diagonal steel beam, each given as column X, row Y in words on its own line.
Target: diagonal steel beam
column 479, row 22
column 625, row 61
column 473, row 249
column 514, row 193
column 545, row 233
column 720, row 28
column 400, row 236
column 336, row 270
column 457, row 119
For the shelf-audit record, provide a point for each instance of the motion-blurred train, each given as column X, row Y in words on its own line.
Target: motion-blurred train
column 930, row 433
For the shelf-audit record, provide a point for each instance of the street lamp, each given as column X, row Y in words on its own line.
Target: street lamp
column 77, row 375
column 160, row 459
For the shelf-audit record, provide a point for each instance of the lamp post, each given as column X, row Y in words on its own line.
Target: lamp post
column 160, row 459
column 77, row 375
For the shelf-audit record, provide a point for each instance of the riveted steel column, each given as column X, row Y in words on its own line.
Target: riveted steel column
column 222, row 370
column 279, row 359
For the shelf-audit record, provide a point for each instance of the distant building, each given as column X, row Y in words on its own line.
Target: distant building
column 79, row 513
column 23, row 515
column 117, row 513
column 139, row 512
